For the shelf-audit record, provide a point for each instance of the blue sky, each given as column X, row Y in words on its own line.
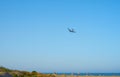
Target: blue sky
column 34, row 35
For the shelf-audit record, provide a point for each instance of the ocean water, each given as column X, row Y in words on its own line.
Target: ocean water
column 91, row 74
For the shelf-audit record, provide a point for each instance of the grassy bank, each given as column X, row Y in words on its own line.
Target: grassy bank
column 5, row 72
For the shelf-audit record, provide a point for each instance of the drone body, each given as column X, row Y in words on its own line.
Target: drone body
column 71, row 30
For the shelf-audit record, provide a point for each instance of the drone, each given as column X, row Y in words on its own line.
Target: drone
column 71, row 30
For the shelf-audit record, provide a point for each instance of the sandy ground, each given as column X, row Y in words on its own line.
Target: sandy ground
column 83, row 76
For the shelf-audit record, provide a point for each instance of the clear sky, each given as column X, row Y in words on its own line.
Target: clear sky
column 34, row 35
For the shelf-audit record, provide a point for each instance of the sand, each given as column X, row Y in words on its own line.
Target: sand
column 82, row 76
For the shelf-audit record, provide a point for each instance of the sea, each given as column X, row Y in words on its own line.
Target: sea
column 91, row 74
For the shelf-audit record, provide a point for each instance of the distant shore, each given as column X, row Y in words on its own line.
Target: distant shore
column 88, row 74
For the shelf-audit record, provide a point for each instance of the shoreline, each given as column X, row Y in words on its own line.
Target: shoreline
column 87, row 74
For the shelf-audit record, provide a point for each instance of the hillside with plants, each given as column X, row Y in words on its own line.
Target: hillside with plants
column 5, row 72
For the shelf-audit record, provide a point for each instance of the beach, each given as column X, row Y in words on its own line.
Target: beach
column 82, row 76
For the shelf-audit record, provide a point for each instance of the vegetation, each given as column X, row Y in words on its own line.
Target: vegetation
column 3, row 69
column 17, row 73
